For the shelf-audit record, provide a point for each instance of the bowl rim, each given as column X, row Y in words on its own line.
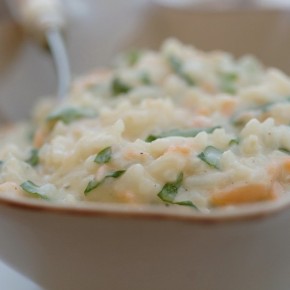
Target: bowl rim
column 241, row 213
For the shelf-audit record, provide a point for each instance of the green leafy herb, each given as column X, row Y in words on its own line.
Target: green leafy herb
column 30, row 134
column 133, row 57
column 33, row 189
column 284, row 150
column 228, row 83
column 118, row 87
column 104, row 156
column 170, row 190
column 116, row 174
column 70, row 114
column 192, row 132
column 235, row 141
column 93, row 184
column 145, row 78
column 33, row 159
column 188, row 79
column 211, row 156
column 177, row 66
column 242, row 117
column 268, row 106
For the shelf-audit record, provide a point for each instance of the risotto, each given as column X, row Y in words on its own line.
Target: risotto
column 176, row 127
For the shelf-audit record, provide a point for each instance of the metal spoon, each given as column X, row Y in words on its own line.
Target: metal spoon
column 58, row 51
column 45, row 21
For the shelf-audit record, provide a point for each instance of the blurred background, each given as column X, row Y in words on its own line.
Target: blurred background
column 98, row 29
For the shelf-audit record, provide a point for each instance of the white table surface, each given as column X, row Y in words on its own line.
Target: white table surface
column 10, row 279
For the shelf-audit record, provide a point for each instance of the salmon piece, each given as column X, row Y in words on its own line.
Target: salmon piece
column 209, row 87
column 248, row 193
column 279, row 170
column 39, row 138
column 182, row 149
column 203, row 111
column 228, row 106
column 126, row 197
column 286, row 165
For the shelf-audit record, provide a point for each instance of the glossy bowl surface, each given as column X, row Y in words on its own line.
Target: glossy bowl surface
column 121, row 247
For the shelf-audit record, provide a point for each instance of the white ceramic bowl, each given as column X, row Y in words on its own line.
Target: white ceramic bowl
column 111, row 247
column 120, row 247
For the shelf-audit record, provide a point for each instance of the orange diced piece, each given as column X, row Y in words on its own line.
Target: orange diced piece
column 248, row 193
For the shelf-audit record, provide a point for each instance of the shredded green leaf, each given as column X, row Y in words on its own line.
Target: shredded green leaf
column 170, row 190
column 177, row 66
column 266, row 107
column 133, row 56
column 118, row 87
column 211, row 156
column 188, row 79
column 93, row 184
column 284, row 150
column 185, row 203
column 70, row 114
column 238, row 119
column 30, row 134
column 228, row 83
column 33, row 189
column 33, row 159
column 104, row 156
column 187, row 133
column 235, row 141
column 145, row 78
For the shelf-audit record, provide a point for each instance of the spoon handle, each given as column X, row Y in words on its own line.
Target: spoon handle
column 45, row 21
